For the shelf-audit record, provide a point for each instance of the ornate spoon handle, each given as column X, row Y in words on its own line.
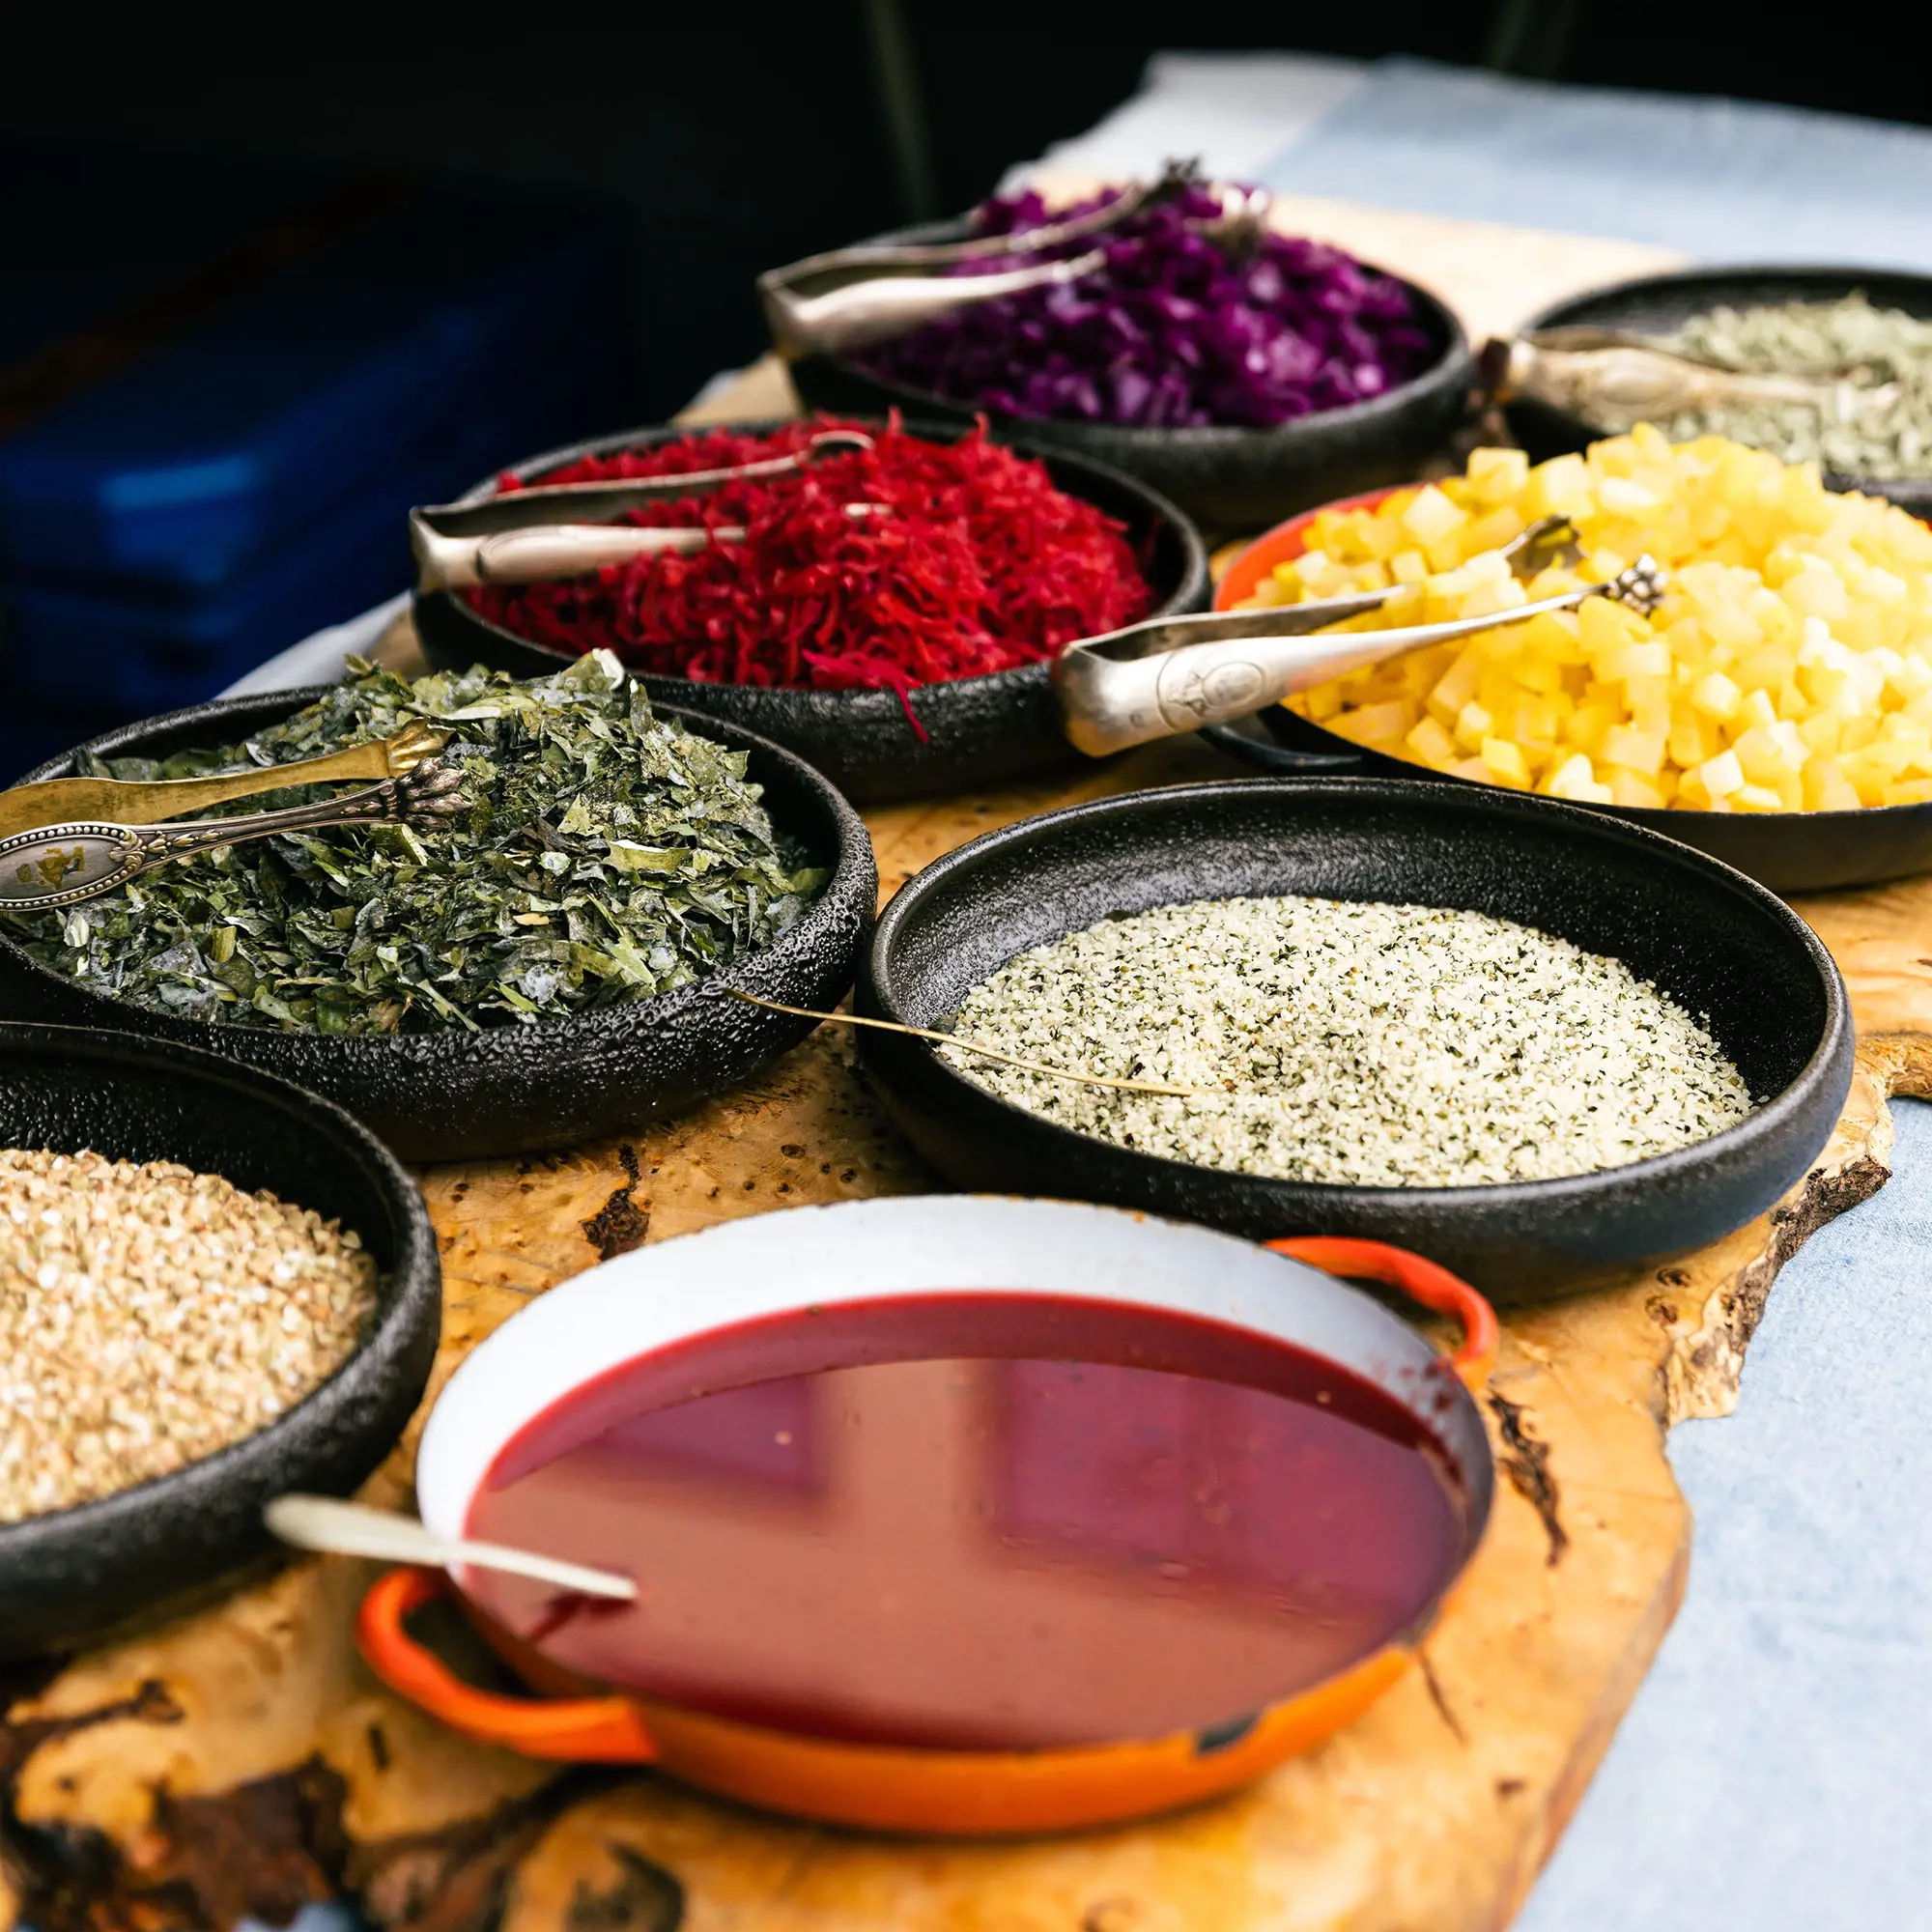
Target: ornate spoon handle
column 147, row 801
column 60, row 865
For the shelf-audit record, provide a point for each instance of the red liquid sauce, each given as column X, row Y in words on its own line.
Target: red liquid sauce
column 977, row 1522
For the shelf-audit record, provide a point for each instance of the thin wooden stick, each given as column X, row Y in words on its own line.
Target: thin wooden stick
column 972, row 1046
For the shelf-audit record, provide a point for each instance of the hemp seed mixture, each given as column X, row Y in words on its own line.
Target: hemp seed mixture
column 150, row 1316
column 1366, row 1044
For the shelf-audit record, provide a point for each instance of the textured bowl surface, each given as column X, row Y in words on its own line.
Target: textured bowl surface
column 1225, row 478
column 71, row 1576
column 1788, row 851
column 1658, row 305
column 461, row 1095
column 980, row 732
column 1721, row 946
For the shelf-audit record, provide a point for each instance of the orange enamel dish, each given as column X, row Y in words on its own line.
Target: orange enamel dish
column 778, row 1263
column 1283, row 544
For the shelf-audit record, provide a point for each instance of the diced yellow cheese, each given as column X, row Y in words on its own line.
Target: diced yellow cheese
column 1722, row 775
column 1498, row 475
column 1506, row 763
column 1433, row 745
column 1638, row 751
column 1789, row 667
column 1431, row 517
column 1716, row 696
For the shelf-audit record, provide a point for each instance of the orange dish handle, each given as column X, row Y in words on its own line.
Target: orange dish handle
column 1421, row 1280
column 583, row 1731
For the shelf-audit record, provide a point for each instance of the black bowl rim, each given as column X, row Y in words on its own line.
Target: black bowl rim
column 1454, row 363
column 1652, row 819
column 1844, row 481
column 414, row 1276
column 833, row 706
column 1835, row 1038
column 855, row 867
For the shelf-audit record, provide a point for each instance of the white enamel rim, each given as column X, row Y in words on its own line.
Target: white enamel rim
column 776, row 1263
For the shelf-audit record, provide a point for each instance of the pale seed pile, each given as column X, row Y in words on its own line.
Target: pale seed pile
column 150, row 1316
column 1375, row 1045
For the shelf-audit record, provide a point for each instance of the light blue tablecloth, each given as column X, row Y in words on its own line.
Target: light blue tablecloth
column 1772, row 1769
column 1724, row 181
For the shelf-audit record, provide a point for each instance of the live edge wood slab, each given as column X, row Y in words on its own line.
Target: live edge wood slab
column 243, row 1761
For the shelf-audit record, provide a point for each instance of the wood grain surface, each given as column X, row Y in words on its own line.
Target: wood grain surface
column 243, row 1761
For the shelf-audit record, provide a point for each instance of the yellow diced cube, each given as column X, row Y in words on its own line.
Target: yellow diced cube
column 1624, row 497
column 1496, row 475
column 1377, row 724
column 1430, row 518
column 1433, row 745
column 1827, row 788
column 1557, row 487
column 1634, row 789
column 1716, row 695
column 1505, row 763
column 1473, row 725
column 1722, row 775
column 1570, row 777
column 1650, row 659
column 1638, row 751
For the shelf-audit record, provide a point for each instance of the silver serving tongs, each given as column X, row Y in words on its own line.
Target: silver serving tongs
column 852, row 298
column 1610, row 377
column 516, row 537
column 1176, row 675
column 62, row 865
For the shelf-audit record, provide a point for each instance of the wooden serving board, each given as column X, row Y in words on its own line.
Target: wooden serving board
column 243, row 1761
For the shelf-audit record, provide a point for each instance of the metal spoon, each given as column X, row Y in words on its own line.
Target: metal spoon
column 147, row 801
column 336, row 1528
column 62, row 865
column 1170, row 675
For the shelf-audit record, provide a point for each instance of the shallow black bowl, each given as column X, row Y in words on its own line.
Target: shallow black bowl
column 1720, row 945
column 1225, row 478
column 460, row 1096
column 1788, row 851
column 73, row 1576
column 980, row 732
column 1658, row 305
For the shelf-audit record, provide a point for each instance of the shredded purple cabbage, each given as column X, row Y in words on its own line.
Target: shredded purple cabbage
column 1171, row 332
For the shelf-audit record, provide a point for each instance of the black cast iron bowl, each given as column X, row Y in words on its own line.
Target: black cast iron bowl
column 459, row 1095
column 1225, row 477
column 1658, row 305
column 73, row 1576
column 980, row 732
column 1716, row 941
column 1788, row 851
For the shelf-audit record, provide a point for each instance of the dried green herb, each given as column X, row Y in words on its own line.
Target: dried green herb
column 605, row 854
column 1880, row 426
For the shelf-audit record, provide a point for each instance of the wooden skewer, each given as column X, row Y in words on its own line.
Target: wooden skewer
column 974, row 1046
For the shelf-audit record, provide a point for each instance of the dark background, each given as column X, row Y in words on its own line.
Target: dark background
column 738, row 136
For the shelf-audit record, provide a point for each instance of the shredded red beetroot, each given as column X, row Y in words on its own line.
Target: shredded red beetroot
column 981, row 565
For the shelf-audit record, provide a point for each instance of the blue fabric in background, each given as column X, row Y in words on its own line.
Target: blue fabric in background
column 1720, row 180
column 1772, row 1771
